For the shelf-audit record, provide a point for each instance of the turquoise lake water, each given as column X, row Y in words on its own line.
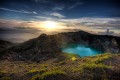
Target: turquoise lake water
column 81, row 50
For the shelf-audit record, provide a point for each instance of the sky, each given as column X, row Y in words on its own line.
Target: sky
column 21, row 20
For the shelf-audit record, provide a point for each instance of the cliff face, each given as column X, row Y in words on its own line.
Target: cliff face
column 105, row 43
column 109, row 44
column 49, row 46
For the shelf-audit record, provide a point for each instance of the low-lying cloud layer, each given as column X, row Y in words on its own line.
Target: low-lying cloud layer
column 24, row 18
column 94, row 23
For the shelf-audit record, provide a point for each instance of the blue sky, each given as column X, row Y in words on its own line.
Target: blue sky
column 89, row 15
column 28, row 9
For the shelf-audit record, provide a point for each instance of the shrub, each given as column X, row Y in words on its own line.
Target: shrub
column 70, row 55
column 73, row 58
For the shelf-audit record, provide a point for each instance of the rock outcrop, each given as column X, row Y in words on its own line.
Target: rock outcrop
column 49, row 46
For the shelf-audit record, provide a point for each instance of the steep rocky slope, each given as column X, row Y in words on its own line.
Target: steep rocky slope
column 5, row 44
column 49, row 46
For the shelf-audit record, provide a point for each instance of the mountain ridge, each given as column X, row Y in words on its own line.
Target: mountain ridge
column 45, row 46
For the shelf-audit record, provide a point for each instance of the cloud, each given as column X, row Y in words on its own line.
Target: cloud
column 14, row 23
column 55, row 14
column 75, row 5
column 58, row 7
column 22, row 11
column 42, row 17
column 25, row 28
column 92, row 20
column 91, row 23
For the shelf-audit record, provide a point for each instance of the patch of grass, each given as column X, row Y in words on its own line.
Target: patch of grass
column 36, row 71
column 44, row 65
column 89, row 66
column 76, row 69
column 102, row 58
column 98, row 59
column 48, row 74
column 93, row 68
column 93, row 63
column 5, row 78
column 1, row 73
column 62, row 63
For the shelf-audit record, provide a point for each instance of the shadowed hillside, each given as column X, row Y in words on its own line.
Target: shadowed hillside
column 42, row 58
column 49, row 46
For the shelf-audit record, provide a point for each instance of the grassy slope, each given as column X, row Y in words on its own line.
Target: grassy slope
column 101, row 67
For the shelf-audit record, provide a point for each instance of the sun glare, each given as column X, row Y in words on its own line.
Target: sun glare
column 50, row 25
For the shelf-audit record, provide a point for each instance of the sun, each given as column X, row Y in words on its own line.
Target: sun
column 50, row 25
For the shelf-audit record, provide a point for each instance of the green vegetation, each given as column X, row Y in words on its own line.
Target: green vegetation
column 70, row 56
column 48, row 75
column 36, row 71
column 93, row 63
column 100, row 58
column 5, row 78
column 98, row 67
